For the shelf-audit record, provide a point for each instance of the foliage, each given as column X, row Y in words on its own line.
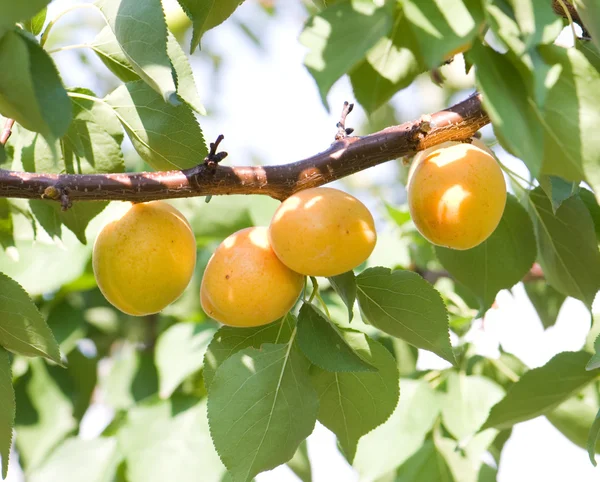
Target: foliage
column 193, row 400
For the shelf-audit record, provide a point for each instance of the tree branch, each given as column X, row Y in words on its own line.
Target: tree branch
column 559, row 10
column 534, row 274
column 7, row 131
column 345, row 156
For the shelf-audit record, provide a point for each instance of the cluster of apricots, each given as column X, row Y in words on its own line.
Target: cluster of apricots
column 145, row 259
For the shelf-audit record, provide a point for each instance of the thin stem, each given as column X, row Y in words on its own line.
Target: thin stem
column 69, row 47
column 514, row 176
column 86, row 97
column 324, row 305
column 7, row 131
column 512, row 376
column 432, row 375
column 315, row 289
column 46, row 32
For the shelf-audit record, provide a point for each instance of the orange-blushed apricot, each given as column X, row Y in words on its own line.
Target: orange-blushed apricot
column 245, row 283
column 322, row 232
column 144, row 259
column 456, row 194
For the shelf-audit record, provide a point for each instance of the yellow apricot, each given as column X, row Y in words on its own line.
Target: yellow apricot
column 456, row 194
column 245, row 284
column 145, row 259
column 322, row 232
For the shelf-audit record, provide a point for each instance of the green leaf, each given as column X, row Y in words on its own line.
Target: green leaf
column 505, row 99
column 91, row 145
column 391, row 65
column 441, row 28
column 467, row 403
column 229, row 340
column 78, row 459
column 6, row 224
column 334, row 48
column 345, row 286
column 406, row 356
column 326, row 345
column 573, row 418
column 300, row 463
column 67, row 324
column 7, row 412
column 22, row 328
column 108, row 50
column 165, row 136
column 141, row 30
column 79, row 380
column 500, row 261
column 36, row 23
column 568, row 151
column 206, row 14
column 400, row 216
column 261, row 406
column 540, row 390
column 93, row 142
column 43, row 266
column 537, row 22
column 567, row 246
column 132, row 378
column 169, row 440
column 184, row 77
column 595, row 360
column 106, row 46
column 179, row 353
column 593, row 438
column 464, row 461
column 546, row 301
column 557, row 190
column 14, row 12
column 45, row 415
column 426, row 464
column 401, row 436
column 404, row 305
column 591, row 204
column 51, row 216
column 31, row 91
column 521, row 27
column 589, row 12
column 353, row 404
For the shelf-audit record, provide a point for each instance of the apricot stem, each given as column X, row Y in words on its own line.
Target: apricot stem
column 315, row 289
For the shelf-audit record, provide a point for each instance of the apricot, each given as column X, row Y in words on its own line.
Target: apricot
column 322, row 232
column 144, row 259
column 456, row 194
column 245, row 284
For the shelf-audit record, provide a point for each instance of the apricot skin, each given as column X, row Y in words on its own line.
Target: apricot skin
column 456, row 194
column 245, row 284
column 144, row 260
column 322, row 232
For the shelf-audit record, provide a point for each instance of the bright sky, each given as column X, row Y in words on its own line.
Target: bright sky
column 269, row 109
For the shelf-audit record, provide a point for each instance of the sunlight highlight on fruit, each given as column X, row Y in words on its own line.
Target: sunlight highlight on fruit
column 322, row 232
column 456, row 194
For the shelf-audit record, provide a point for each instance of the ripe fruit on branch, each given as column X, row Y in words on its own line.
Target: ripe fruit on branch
column 322, row 232
column 456, row 194
column 145, row 259
column 245, row 284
